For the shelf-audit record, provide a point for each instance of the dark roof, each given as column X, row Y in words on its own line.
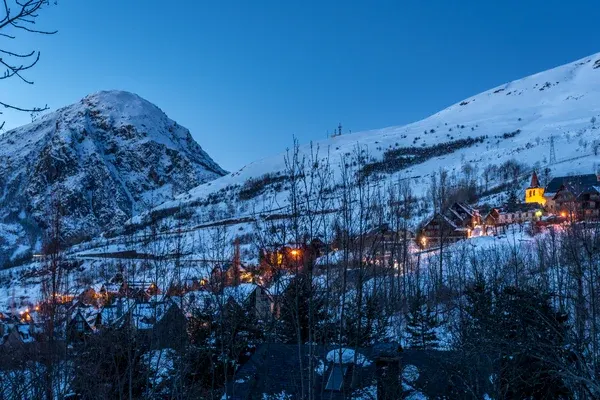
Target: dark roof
column 575, row 181
column 438, row 217
column 459, row 207
column 275, row 369
column 535, row 183
column 590, row 190
column 522, row 207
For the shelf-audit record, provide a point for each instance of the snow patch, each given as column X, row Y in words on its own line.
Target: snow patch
column 346, row 356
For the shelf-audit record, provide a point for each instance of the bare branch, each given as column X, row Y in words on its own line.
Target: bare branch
column 34, row 109
column 20, row 15
column 18, row 54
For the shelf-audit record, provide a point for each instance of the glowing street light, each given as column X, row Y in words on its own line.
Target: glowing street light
column 538, row 213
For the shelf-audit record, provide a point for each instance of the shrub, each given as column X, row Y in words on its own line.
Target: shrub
column 255, row 186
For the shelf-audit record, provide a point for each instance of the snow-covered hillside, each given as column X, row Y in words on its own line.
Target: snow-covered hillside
column 514, row 121
column 104, row 159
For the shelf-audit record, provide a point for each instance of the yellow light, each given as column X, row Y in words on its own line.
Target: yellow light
column 424, row 241
column 295, row 252
column 538, row 213
column 563, row 214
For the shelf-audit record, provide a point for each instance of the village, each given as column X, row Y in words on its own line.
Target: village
column 155, row 313
column 565, row 199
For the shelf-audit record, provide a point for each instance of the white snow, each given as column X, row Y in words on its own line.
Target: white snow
column 347, row 357
column 416, row 395
column 161, row 365
column 563, row 110
column 320, row 368
column 559, row 102
column 278, row 396
column 366, row 393
column 410, row 373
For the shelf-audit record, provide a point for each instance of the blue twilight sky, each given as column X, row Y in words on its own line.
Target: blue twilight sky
column 245, row 76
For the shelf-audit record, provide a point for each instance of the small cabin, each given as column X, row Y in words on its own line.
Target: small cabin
column 441, row 230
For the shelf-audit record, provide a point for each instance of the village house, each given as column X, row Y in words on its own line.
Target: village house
column 383, row 245
column 15, row 333
column 290, row 256
column 491, row 217
column 516, row 214
column 575, row 197
column 83, row 322
column 113, row 315
column 248, row 296
column 231, row 274
column 440, row 230
column 276, row 292
column 570, row 186
column 139, row 290
column 463, row 215
column 575, row 202
column 159, row 321
column 261, row 301
column 589, row 201
column 198, row 302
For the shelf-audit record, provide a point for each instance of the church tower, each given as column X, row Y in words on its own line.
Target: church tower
column 534, row 193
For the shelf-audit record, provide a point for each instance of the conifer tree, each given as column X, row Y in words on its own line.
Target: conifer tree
column 478, row 321
column 512, row 199
column 421, row 324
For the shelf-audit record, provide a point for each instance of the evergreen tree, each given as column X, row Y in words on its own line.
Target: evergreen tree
column 531, row 338
column 524, row 336
column 421, row 324
column 478, row 319
column 294, row 322
column 512, row 199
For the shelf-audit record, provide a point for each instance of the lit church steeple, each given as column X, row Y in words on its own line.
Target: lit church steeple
column 534, row 193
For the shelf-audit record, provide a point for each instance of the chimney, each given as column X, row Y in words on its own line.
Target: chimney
column 388, row 370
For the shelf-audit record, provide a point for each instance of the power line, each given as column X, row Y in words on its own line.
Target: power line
column 552, row 150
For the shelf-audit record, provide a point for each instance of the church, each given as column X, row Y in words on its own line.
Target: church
column 534, row 193
column 576, row 195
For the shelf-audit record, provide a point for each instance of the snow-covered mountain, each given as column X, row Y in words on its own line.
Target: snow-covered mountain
column 104, row 159
column 514, row 121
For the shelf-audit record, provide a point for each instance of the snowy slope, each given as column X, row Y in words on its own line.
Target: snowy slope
column 512, row 121
column 105, row 159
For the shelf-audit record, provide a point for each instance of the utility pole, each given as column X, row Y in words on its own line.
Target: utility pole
column 552, row 150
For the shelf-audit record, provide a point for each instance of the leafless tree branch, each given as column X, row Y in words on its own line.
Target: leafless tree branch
column 20, row 15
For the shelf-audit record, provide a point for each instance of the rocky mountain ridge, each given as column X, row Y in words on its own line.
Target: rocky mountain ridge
column 103, row 159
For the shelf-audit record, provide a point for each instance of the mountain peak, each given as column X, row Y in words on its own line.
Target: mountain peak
column 107, row 157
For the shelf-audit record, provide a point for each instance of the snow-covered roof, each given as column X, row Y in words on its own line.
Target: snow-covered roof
column 240, row 292
column 346, row 356
column 146, row 314
column 115, row 312
column 280, row 285
column 25, row 333
column 445, row 218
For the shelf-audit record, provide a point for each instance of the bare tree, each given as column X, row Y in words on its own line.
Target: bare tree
column 20, row 16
